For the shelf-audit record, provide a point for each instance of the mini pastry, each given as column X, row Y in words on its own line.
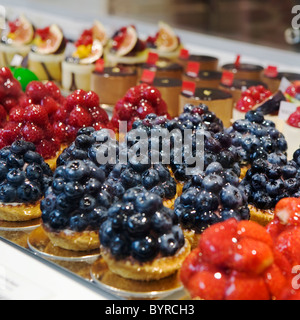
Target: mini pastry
column 269, row 180
column 208, row 198
column 47, row 53
column 218, row 101
column 246, row 71
column 165, row 43
column 125, row 47
column 292, row 93
column 163, row 69
column 141, row 239
column 24, row 177
column 243, row 269
column 249, row 98
column 77, row 68
column 207, row 63
column 273, row 81
column 73, row 210
column 291, row 132
column 136, row 104
column 17, row 41
column 255, row 137
column 239, row 86
column 112, row 83
column 204, row 79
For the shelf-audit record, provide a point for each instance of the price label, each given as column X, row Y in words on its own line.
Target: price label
column 193, row 68
column 188, row 87
column 227, row 78
column 148, row 76
column 152, row 58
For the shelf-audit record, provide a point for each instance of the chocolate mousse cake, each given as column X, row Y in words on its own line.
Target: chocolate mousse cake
column 204, row 79
column 206, row 62
column 246, row 71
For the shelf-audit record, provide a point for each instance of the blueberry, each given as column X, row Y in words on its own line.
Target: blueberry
column 84, row 141
column 73, row 189
column 274, row 171
column 93, row 186
column 48, row 203
column 78, row 222
column 255, row 116
column 148, row 203
column 229, row 213
column 34, row 172
column 129, row 178
column 168, row 244
column 242, row 125
column 86, row 130
column 170, row 188
column 178, row 234
column 274, row 187
column 212, row 183
column 214, row 167
column 21, row 146
column 58, row 185
column 56, row 220
column 131, row 194
column 296, row 155
column 262, row 200
column 15, row 161
column 15, row 177
column 161, row 222
column 3, row 170
column 204, row 220
column 144, row 249
column 5, row 152
column 289, row 171
column 231, row 177
column 292, row 185
column 106, row 233
column 63, row 203
column 97, row 217
column 119, row 247
column 76, row 170
column 79, row 154
column 33, row 157
column 259, row 181
column 29, row 192
column 87, row 203
column 150, row 178
column 104, row 199
column 206, row 201
column 7, row 193
column 189, row 197
column 231, row 197
column 138, row 224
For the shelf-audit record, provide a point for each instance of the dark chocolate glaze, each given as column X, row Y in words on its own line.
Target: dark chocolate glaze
column 289, row 75
column 167, row 82
column 243, row 67
column 118, row 71
column 239, row 83
column 208, row 94
column 161, row 66
column 207, row 75
column 199, row 58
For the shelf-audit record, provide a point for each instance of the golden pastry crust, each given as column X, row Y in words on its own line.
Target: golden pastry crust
column 263, row 217
column 155, row 270
column 20, row 212
column 52, row 162
column 72, row 240
column 192, row 237
column 244, row 170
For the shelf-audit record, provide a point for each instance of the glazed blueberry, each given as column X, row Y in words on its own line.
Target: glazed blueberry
column 15, row 177
column 72, row 189
column 87, row 203
column 161, row 222
column 21, row 147
column 7, row 193
column 56, row 219
column 33, row 157
column 255, row 116
column 29, row 192
column 212, row 183
column 168, row 244
column 231, row 197
column 3, row 170
column 119, row 247
column 147, row 203
column 206, row 201
column 78, row 222
column 34, row 172
column 145, row 249
column 76, row 170
column 138, row 224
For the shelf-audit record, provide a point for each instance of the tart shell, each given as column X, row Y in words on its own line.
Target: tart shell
column 20, row 212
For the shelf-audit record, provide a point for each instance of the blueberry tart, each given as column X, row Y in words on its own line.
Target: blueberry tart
column 24, row 178
column 74, row 206
column 208, row 198
column 141, row 239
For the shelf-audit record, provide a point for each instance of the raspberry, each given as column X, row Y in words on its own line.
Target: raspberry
column 12, row 87
column 80, row 117
column 294, row 119
column 6, row 73
column 61, row 114
column 153, row 95
column 36, row 91
column 32, row 133
column 53, row 90
column 9, row 103
column 126, row 111
column 16, row 114
column 37, row 114
column 11, row 132
column 133, row 95
column 91, row 99
column 75, row 98
column 50, row 105
column 3, row 115
column 48, row 148
column 60, row 130
column 25, row 101
column 144, row 108
column 98, row 114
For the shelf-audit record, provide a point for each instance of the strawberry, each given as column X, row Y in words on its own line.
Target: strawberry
column 288, row 211
column 80, row 117
column 275, row 280
column 208, row 285
column 190, row 266
column 243, row 286
column 217, row 243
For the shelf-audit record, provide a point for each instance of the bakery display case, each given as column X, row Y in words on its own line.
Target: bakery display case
column 77, row 96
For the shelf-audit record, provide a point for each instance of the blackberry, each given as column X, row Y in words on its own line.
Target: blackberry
column 145, row 231
column 24, row 176
column 210, row 198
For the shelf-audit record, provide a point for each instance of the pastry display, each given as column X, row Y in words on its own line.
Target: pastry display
column 141, row 239
column 72, row 210
column 16, row 40
column 291, row 132
column 125, row 47
column 112, row 83
column 208, row 63
column 218, row 101
column 270, row 179
column 136, row 104
column 165, row 42
column 24, row 178
column 204, row 79
column 245, row 71
column 77, row 68
column 239, row 86
column 255, row 137
column 208, row 198
column 47, row 53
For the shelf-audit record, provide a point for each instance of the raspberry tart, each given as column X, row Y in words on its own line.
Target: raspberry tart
column 77, row 68
column 73, row 208
column 141, row 239
column 24, row 178
column 47, row 53
column 291, row 131
column 208, row 198
column 125, row 47
column 16, row 41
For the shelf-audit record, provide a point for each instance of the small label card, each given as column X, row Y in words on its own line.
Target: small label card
column 16, row 60
column 284, row 84
column 152, row 58
column 193, row 69
column 227, row 78
column 286, row 109
column 188, row 87
column 271, row 71
column 148, row 76
column 184, row 54
column 99, row 67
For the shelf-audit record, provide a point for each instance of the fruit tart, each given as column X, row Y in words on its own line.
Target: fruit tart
column 136, row 104
column 125, row 47
column 255, row 137
column 141, row 239
column 47, row 53
column 74, row 206
column 165, row 42
column 270, row 178
column 24, row 178
column 208, row 198
column 17, row 41
column 291, row 132
column 77, row 68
